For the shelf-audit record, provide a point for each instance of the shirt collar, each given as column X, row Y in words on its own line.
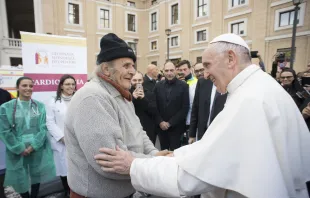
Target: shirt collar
column 189, row 77
column 149, row 77
column 241, row 78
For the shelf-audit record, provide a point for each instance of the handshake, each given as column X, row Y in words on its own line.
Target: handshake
column 164, row 153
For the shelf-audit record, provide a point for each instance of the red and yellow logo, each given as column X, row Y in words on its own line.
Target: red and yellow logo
column 41, row 58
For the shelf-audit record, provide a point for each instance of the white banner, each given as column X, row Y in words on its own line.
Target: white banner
column 47, row 57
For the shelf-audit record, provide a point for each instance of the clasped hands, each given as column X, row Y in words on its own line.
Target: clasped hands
column 27, row 151
column 119, row 161
column 164, row 125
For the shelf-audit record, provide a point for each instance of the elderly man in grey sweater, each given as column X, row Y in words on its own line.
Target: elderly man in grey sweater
column 101, row 114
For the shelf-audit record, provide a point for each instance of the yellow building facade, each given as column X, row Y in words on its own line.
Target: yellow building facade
column 266, row 25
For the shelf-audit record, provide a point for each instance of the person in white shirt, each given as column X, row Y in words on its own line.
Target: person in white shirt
column 257, row 147
column 55, row 118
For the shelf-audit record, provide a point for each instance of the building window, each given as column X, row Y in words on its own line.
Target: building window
column 201, row 8
column 238, row 28
column 174, row 41
column 73, row 13
column 15, row 61
column 154, row 2
column 153, row 45
column 199, row 59
column 154, row 21
column 284, row 18
column 154, row 63
column 104, row 18
column 131, row 4
column 174, row 14
column 131, row 22
column 235, row 3
column 287, row 18
column 201, row 35
column 133, row 46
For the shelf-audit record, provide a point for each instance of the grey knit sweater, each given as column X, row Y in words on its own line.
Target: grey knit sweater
column 98, row 116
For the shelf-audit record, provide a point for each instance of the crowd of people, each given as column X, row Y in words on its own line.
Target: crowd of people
column 226, row 128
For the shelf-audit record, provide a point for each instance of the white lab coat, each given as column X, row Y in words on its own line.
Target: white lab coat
column 257, row 147
column 55, row 117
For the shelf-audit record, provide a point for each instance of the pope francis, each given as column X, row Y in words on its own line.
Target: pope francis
column 257, row 147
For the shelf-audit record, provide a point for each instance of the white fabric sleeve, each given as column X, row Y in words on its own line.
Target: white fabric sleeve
column 156, row 176
column 161, row 176
column 189, row 185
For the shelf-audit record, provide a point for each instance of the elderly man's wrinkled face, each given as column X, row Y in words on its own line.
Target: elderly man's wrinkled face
column 122, row 72
column 137, row 79
column 216, row 67
column 169, row 71
column 199, row 70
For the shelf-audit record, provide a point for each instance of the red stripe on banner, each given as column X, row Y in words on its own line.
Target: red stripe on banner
column 49, row 82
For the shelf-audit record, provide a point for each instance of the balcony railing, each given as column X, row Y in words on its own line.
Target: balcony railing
column 12, row 43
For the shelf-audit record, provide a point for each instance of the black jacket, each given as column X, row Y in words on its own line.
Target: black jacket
column 304, row 105
column 293, row 90
column 148, row 84
column 172, row 105
column 5, row 96
column 145, row 109
column 201, row 107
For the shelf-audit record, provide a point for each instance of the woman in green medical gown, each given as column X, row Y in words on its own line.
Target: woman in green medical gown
column 29, row 158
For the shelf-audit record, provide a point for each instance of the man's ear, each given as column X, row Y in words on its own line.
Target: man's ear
column 105, row 69
column 232, row 59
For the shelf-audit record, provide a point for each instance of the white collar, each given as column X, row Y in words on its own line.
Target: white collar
column 241, row 77
column 149, row 77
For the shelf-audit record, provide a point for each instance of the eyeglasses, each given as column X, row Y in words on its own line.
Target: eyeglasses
column 199, row 71
column 286, row 77
column 69, row 84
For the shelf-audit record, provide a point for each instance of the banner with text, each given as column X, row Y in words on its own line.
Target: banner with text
column 47, row 57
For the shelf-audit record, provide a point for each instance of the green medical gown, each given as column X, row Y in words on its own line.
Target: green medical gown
column 30, row 129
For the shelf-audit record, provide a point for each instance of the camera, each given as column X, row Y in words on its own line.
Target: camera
column 280, row 58
column 254, row 54
column 139, row 86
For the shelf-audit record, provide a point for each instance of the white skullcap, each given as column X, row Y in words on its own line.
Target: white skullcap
column 231, row 38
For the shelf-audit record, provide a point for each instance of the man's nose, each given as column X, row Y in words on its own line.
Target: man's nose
column 132, row 70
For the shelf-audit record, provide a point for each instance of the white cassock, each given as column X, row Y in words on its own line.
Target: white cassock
column 257, row 147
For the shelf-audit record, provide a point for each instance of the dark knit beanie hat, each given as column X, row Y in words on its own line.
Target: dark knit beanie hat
column 112, row 47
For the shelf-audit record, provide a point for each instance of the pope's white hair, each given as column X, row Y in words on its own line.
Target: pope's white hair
column 242, row 52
